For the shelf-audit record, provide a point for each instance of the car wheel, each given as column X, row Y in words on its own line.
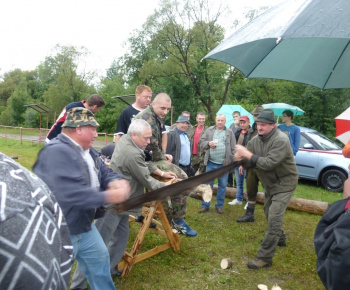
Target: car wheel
column 333, row 180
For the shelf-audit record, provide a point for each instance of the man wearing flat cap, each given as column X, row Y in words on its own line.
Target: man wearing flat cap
column 82, row 183
column 179, row 145
column 270, row 152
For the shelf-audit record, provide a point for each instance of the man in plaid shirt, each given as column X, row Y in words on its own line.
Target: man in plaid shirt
column 219, row 142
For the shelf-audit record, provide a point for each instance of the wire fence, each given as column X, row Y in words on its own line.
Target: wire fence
column 38, row 135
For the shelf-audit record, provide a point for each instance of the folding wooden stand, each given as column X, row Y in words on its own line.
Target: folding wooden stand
column 150, row 211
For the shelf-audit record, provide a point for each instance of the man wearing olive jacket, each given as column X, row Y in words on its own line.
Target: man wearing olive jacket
column 270, row 152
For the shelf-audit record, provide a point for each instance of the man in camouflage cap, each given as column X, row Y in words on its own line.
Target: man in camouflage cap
column 82, row 183
column 154, row 115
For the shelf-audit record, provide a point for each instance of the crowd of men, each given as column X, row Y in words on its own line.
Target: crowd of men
column 83, row 184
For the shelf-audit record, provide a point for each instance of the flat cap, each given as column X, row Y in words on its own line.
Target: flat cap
column 183, row 118
column 266, row 116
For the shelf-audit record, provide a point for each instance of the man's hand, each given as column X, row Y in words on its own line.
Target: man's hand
column 169, row 182
column 169, row 157
column 212, row 144
column 240, row 170
column 169, row 174
column 346, row 190
column 118, row 191
column 242, row 153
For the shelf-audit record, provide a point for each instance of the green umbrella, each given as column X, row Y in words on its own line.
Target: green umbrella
column 279, row 108
column 306, row 41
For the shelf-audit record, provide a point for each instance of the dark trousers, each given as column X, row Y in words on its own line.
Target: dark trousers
column 252, row 179
column 274, row 208
column 188, row 169
column 230, row 180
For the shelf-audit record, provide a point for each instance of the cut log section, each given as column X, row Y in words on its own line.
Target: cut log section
column 262, row 287
column 226, row 263
column 202, row 192
column 300, row 204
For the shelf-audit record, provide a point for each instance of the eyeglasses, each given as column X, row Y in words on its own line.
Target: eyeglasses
column 284, row 116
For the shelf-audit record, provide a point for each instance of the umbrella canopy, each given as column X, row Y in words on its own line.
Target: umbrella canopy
column 227, row 110
column 306, row 41
column 279, row 108
column 342, row 126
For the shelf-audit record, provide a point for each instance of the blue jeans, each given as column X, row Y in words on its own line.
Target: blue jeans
column 91, row 253
column 114, row 230
column 222, row 182
column 240, row 184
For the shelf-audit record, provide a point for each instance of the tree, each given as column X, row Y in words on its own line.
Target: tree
column 14, row 115
column 61, row 78
column 10, row 80
column 112, row 85
column 167, row 54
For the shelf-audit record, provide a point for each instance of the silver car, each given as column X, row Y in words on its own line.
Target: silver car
column 320, row 158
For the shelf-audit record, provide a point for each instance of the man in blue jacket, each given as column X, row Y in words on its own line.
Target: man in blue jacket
column 82, row 183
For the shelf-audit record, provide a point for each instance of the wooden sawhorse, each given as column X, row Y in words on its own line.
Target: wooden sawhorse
column 150, row 211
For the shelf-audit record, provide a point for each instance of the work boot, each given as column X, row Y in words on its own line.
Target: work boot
column 249, row 215
column 183, row 228
column 203, row 209
column 282, row 243
column 258, row 263
column 140, row 219
column 219, row 210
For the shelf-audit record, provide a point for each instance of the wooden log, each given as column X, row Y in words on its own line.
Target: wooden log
column 230, row 191
column 200, row 192
column 300, row 204
column 226, row 263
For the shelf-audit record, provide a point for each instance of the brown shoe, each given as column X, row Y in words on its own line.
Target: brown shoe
column 258, row 263
column 203, row 210
column 219, row 210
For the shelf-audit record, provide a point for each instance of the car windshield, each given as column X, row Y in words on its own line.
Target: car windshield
column 323, row 141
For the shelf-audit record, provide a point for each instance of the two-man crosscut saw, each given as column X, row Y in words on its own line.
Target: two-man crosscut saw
column 173, row 189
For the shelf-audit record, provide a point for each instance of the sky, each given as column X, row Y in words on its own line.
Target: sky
column 30, row 29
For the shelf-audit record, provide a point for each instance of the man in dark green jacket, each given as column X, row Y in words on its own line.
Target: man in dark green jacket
column 270, row 152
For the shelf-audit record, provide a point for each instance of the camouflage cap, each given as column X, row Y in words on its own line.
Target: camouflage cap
column 77, row 117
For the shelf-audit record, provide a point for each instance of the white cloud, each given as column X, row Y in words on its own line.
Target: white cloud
column 30, row 29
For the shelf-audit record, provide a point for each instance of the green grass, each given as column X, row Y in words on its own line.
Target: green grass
column 26, row 153
column 197, row 265
column 36, row 132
